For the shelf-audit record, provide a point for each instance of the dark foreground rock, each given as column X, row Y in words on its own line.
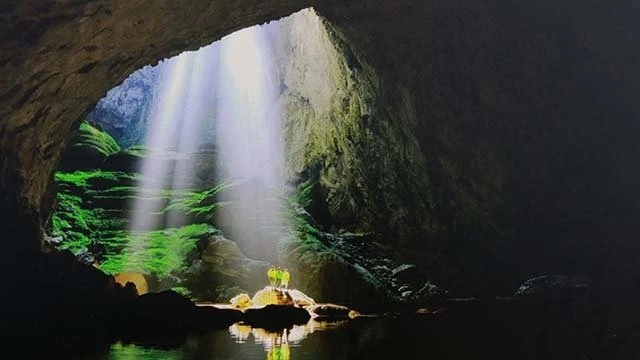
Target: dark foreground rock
column 554, row 287
column 168, row 316
column 276, row 316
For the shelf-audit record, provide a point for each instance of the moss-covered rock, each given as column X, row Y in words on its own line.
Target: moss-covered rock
column 325, row 275
column 92, row 217
column 221, row 271
column 371, row 173
column 89, row 148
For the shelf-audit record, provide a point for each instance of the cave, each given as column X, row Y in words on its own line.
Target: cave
column 459, row 178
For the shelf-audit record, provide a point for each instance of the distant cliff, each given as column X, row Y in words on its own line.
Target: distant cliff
column 123, row 111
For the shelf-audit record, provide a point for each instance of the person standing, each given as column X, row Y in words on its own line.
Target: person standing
column 278, row 277
column 285, row 278
column 271, row 274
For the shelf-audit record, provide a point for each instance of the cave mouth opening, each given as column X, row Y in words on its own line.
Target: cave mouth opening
column 181, row 177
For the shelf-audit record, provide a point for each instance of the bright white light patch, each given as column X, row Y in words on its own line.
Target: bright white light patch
column 233, row 84
column 242, row 57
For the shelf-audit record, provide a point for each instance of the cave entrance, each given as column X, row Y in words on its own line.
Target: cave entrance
column 180, row 173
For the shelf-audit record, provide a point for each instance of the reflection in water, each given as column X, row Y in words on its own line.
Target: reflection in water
column 504, row 335
column 277, row 343
column 279, row 352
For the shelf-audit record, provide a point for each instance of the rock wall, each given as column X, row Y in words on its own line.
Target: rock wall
column 340, row 132
column 60, row 57
column 524, row 113
column 124, row 110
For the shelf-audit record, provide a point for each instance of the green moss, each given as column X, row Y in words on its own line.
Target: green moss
column 82, row 180
column 91, row 213
column 95, row 139
column 200, row 204
column 162, row 253
column 183, row 291
column 70, row 222
column 305, row 239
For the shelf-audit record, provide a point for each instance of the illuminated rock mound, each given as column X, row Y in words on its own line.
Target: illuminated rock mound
column 300, row 298
column 241, row 301
column 272, row 296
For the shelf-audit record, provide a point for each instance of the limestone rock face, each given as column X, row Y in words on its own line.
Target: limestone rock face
column 222, row 270
column 59, row 59
column 241, row 301
column 326, row 276
column 272, row 296
column 123, row 112
column 340, row 133
column 300, row 298
column 510, row 105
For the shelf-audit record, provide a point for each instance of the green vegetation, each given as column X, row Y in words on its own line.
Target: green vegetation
column 84, row 179
column 305, row 240
column 92, row 213
column 162, row 253
column 199, row 204
column 91, row 140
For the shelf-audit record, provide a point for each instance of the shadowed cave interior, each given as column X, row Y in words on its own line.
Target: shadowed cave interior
column 452, row 179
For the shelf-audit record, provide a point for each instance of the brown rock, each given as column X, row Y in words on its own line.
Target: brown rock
column 272, row 296
column 331, row 311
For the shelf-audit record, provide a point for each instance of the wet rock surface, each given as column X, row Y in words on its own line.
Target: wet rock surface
column 554, row 287
column 331, row 312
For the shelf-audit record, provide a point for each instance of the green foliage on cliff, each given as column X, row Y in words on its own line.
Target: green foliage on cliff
column 69, row 222
column 88, row 150
column 84, row 179
column 200, row 204
column 92, row 212
column 89, row 136
column 162, row 253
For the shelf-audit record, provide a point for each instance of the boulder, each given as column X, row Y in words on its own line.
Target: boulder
column 169, row 315
column 300, row 298
column 325, row 274
column 89, row 149
column 430, row 291
column 276, row 316
column 127, row 160
column 331, row 312
column 272, row 296
column 241, row 301
column 408, row 273
column 222, row 265
column 553, row 287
